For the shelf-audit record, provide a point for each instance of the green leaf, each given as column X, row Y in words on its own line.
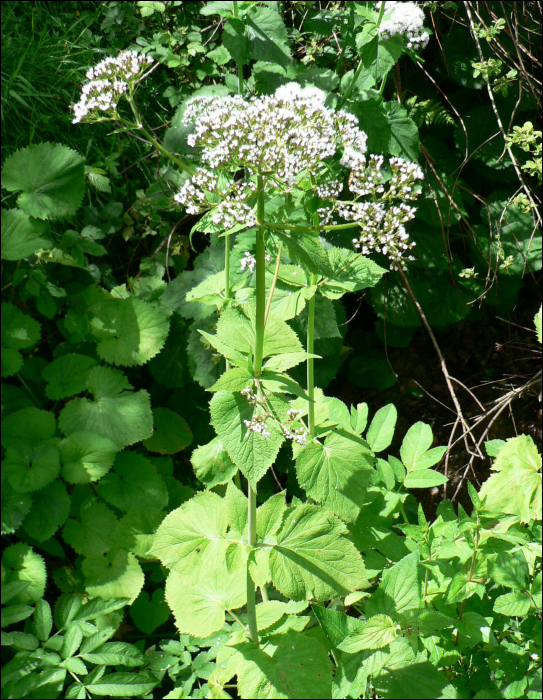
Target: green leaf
column 415, row 443
column 148, row 7
column 133, row 484
column 234, row 379
column 267, row 35
column 169, row 367
column 351, row 272
column 277, row 383
column 150, row 613
column 510, row 569
column 15, row 506
column 381, row 430
column 117, row 414
column 306, row 250
column 236, row 41
column 28, row 468
column 93, row 533
column 67, row 375
column 194, row 534
column 516, row 487
column 280, row 363
column 15, row 613
column 313, row 558
column 71, row 641
column 22, row 235
column 460, row 589
column 171, row 433
column 402, row 583
column 270, row 516
column 130, row 331
column 51, row 178
column 514, row 604
column 299, row 668
column 251, row 452
column 335, row 624
column 538, row 321
column 237, row 511
column 21, row 563
column 29, row 426
column 212, row 465
column 18, row 331
column 375, row 633
column 116, row 574
column 115, row 654
column 122, row 685
column 43, row 620
column 404, row 135
column 423, row 479
column 135, row 531
column 477, row 628
column 86, row 457
column 400, row 675
column 224, row 9
column 336, row 473
column 199, row 607
column 96, row 608
column 50, row 508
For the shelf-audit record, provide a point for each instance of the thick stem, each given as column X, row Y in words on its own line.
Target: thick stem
column 274, row 282
column 310, row 360
column 227, row 277
column 251, row 589
column 260, row 280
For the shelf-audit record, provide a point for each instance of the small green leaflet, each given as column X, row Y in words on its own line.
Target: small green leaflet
column 418, row 458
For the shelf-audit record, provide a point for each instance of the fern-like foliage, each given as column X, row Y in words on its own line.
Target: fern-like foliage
column 428, row 112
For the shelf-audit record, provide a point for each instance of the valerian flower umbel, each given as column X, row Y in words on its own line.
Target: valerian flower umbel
column 292, row 136
column 108, row 81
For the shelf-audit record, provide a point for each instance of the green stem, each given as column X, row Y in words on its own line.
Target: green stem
column 310, row 360
column 402, row 511
column 32, row 396
column 264, row 594
column 274, row 282
column 360, row 65
column 251, row 590
column 160, row 147
column 260, row 279
column 227, row 290
column 293, row 227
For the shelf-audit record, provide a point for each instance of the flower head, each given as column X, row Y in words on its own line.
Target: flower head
column 407, row 19
column 108, row 80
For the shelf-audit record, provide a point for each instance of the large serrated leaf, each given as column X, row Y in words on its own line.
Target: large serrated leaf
column 51, row 178
column 313, row 558
column 336, row 473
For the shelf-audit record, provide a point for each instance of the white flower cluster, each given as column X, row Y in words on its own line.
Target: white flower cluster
column 383, row 230
column 285, row 134
column 258, row 425
column 108, row 80
column 298, row 435
column 405, row 18
column 250, row 395
column 330, row 190
column 249, row 261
